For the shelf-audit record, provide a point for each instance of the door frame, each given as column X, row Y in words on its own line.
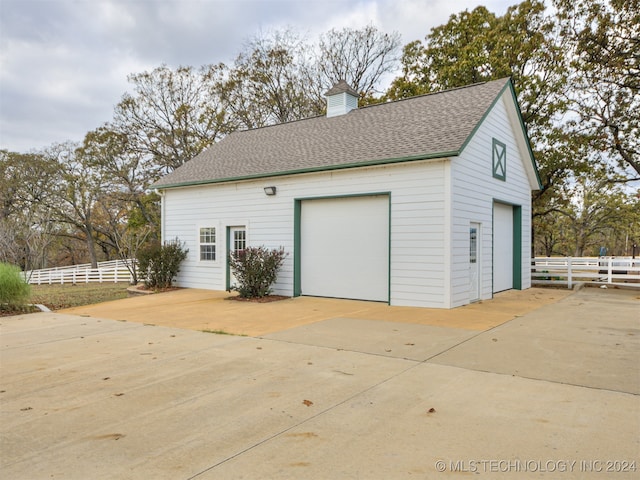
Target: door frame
column 517, row 243
column 229, row 239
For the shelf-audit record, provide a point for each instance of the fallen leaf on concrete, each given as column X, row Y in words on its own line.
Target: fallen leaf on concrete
column 308, row 403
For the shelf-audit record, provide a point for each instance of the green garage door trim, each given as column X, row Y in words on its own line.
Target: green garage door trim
column 517, row 247
column 297, row 229
column 517, row 243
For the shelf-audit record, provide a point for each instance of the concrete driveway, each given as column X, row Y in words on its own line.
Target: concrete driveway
column 213, row 310
column 553, row 393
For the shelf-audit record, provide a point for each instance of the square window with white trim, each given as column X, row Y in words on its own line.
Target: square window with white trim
column 207, row 242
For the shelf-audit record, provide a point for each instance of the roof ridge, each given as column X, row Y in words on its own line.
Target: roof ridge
column 452, row 89
column 439, row 125
column 429, row 94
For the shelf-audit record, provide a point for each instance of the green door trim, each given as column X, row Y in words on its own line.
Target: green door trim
column 228, row 253
column 517, row 243
column 228, row 267
column 517, row 247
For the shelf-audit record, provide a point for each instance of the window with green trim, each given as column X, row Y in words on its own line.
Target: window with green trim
column 499, row 155
column 208, row 243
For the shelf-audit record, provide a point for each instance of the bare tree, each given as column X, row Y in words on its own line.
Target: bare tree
column 173, row 115
column 76, row 191
column 361, row 57
column 270, row 82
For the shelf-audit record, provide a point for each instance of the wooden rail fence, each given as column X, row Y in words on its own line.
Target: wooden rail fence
column 570, row 270
column 113, row 271
column 544, row 271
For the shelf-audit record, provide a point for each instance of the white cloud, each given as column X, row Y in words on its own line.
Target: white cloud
column 64, row 63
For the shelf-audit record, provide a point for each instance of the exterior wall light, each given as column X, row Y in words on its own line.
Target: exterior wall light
column 270, row 190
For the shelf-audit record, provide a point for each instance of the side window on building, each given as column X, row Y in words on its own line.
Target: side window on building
column 207, row 243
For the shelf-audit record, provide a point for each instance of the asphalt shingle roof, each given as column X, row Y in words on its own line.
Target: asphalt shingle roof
column 425, row 126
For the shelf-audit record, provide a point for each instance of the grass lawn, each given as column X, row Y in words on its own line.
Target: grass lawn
column 56, row 297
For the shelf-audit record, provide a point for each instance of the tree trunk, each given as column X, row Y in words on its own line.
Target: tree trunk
column 91, row 247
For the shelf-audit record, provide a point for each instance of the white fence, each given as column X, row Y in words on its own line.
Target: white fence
column 114, row 271
column 570, row 270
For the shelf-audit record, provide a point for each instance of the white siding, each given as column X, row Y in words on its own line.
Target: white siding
column 417, row 273
column 474, row 189
column 432, row 206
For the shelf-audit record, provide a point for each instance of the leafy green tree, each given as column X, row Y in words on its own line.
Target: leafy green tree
column 588, row 212
column 604, row 51
column 478, row 46
column 26, row 229
column 455, row 54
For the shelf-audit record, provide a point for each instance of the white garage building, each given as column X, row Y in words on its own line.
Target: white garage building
column 420, row 202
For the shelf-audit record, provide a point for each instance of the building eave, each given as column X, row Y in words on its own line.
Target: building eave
column 371, row 163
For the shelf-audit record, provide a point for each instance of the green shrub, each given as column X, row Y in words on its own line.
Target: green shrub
column 256, row 269
column 14, row 291
column 159, row 264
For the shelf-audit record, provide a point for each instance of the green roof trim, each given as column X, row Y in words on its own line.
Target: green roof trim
column 508, row 85
column 372, row 163
column 424, row 127
column 484, row 116
column 532, row 158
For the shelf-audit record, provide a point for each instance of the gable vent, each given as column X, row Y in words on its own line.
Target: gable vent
column 341, row 99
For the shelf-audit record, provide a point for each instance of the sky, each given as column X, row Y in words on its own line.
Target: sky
column 64, row 63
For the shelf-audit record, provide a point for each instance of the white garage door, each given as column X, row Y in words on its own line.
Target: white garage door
column 502, row 247
column 344, row 247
